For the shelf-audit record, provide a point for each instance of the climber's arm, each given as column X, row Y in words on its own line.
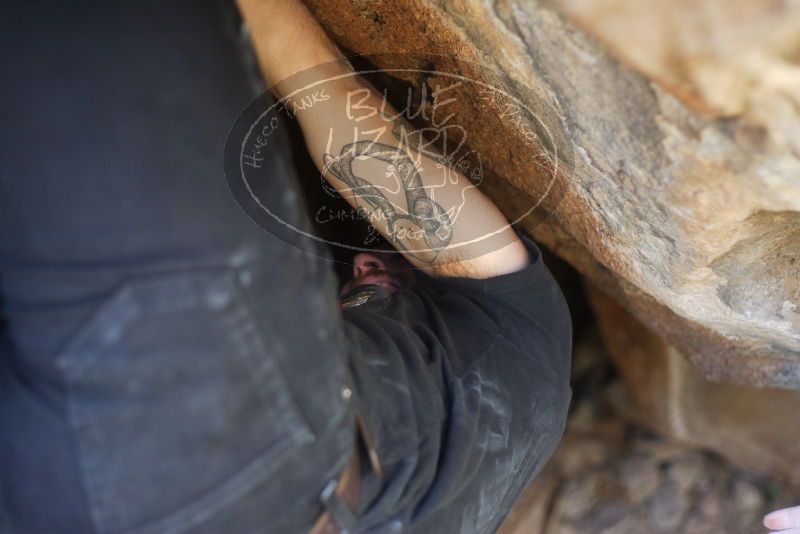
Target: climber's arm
column 435, row 216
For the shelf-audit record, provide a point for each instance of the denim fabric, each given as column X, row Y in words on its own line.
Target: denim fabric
column 167, row 366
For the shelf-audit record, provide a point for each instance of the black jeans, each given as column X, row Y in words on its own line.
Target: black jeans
column 167, row 366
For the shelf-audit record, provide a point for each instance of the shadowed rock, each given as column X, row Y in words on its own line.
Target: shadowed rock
column 691, row 223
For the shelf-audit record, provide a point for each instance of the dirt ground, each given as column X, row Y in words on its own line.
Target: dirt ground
column 609, row 476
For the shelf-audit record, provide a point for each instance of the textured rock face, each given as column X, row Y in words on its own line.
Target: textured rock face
column 727, row 58
column 754, row 428
column 691, row 222
column 610, row 476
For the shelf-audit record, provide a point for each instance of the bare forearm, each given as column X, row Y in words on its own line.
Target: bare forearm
column 286, row 37
column 427, row 210
column 430, row 212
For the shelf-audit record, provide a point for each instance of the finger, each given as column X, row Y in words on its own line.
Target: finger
column 783, row 519
column 787, row 531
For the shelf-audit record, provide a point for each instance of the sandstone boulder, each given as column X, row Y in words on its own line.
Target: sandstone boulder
column 690, row 219
column 754, row 428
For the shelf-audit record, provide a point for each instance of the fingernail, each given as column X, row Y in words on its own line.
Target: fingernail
column 773, row 520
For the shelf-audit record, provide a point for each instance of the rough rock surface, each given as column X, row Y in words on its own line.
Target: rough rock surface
column 755, row 428
column 726, row 58
column 691, row 222
column 610, row 476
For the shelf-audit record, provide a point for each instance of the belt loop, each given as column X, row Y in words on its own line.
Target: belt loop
column 369, row 445
column 338, row 511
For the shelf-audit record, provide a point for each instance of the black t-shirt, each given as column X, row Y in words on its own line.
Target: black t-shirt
column 463, row 386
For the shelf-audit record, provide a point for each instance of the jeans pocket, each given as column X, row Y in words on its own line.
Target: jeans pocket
column 176, row 402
